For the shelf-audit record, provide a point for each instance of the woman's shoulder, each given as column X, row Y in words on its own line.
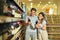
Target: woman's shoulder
column 44, row 22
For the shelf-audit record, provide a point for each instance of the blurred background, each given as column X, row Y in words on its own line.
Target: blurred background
column 13, row 14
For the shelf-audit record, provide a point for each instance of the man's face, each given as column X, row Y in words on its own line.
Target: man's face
column 33, row 12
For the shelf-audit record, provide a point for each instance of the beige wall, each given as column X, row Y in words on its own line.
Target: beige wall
column 58, row 7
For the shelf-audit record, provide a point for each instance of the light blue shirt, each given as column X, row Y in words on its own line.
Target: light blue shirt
column 33, row 20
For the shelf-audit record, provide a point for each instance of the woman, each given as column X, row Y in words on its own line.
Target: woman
column 41, row 25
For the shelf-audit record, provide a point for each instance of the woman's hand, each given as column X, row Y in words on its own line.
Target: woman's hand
column 44, row 27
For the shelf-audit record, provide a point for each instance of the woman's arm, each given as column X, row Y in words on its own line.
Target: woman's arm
column 44, row 27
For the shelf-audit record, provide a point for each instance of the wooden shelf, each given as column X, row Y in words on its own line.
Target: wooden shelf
column 54, row 33
column 5, row 19
column 53, row 25
column 13, row 2
column 54, row 36
column 16, row 33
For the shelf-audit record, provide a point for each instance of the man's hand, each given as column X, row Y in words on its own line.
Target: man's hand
column 37, row 25
column 29, row 22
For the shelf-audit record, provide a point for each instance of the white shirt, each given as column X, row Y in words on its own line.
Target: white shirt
column 41, row 25
column 33, row 20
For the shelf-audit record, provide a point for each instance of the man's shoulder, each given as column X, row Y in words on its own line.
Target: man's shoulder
column 27, row 16
column 35, row 16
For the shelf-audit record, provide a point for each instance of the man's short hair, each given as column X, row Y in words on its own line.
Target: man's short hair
column 33, row 9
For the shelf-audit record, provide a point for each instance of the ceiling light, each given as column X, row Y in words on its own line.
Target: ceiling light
column 31, row 3
column 54, row 4
column 31, row 6
column 38, row 5
column 51, row 11
column 40, row 2
column 29, row 0
column 49, row 2
column 46, row 4
column 23, row 2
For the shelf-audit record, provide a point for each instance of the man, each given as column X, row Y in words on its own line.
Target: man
column 30, row 30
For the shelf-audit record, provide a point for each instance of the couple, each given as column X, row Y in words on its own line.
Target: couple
column 34, row 24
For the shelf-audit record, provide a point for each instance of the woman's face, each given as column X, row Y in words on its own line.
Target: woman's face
column 40, row 17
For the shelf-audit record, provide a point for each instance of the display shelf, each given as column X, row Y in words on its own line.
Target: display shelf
column 52, row 33
column 14, row 3
column 5, row 19
column 53, row 25
column 16, row 33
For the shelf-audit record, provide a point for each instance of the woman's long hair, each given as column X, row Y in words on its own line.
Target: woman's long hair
column 42, row 13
